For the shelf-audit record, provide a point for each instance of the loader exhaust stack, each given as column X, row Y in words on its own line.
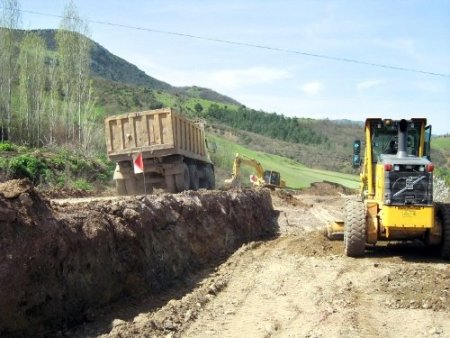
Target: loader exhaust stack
column 402, row 139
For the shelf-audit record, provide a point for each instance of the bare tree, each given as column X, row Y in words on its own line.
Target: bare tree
column 31, row 86
column 9, row 20
column 52, row 99
column 73, row 53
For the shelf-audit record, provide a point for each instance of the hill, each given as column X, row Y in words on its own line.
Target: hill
column 296, row 174
column 108, row 66
column 120, row 87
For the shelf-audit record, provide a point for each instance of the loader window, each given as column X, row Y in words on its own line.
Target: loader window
column 385, row 141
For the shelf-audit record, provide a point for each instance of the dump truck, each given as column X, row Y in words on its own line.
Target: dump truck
column 262, row 178
column 169, row 151
column 395, row 202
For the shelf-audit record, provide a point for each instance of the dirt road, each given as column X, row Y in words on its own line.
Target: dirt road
column 297, row 285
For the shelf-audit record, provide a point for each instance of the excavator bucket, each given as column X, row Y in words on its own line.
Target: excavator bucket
column 335, row 230
column 233, row 182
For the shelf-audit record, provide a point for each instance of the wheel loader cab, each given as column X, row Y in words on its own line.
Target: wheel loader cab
column 396, row 187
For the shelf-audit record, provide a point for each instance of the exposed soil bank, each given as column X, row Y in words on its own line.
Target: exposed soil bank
column 62, row 261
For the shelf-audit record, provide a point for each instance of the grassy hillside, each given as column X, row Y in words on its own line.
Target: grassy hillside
column 440, row 155
column 335, row 157
column 294, row 173
column 441, row 143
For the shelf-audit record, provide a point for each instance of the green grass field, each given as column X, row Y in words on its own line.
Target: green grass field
column 441, row 143
column 295, row 174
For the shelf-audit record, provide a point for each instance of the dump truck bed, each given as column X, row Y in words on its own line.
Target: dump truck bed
column 155, row 133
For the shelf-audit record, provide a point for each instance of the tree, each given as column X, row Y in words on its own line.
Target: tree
column 31, row 86
column 10, row 19
column 198, row 107
column 73, row 56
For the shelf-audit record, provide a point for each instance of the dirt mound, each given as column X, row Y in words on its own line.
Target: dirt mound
column 327, row 188
column 13, row 188
column 288, row 198
column 66, row 193
column 63, row 262
column 313, row 244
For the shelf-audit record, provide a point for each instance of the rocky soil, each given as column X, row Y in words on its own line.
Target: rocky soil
column 296, row 284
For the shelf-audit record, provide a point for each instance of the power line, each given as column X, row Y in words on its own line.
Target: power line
column 246, row 44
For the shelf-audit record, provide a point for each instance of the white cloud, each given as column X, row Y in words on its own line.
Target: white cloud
column 312, row 88
column 236, row 78
column 363, row 85
column 217, row 79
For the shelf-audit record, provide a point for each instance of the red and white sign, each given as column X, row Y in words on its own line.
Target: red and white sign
column 138, row 163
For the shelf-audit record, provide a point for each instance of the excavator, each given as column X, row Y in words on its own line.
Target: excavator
column 262, row 178
column 395, row 201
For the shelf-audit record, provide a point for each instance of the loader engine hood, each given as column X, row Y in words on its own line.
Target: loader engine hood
column 407, row 180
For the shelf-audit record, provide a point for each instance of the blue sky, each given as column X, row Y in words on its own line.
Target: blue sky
column 409, row 34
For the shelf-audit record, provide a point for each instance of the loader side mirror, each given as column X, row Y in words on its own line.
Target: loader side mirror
column 427, row 143
column 356, row 162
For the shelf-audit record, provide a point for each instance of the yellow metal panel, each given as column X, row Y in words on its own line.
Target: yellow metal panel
column 407, row 216
column 372, row 222
column 379, row 184
column 368, row 160
column 422, row 139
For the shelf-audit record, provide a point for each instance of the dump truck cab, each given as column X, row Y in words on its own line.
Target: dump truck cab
column 396, row 194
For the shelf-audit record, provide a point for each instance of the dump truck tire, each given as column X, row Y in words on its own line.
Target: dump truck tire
column 355, row 228
column 193, row 177
column 210, row 178
column 443, row 211
column 182, row 180
column 171, row 183
column 121, row 188
column 130, row 184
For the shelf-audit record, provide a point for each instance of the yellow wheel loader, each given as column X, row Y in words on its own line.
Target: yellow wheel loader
column 396, row 194
column 262, row 178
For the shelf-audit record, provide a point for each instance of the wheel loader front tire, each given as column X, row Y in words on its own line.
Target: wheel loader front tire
column 443, row 211
column 355, row 228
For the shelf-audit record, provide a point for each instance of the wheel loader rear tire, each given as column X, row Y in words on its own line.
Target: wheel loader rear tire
column 443, row 211
column 355, row 228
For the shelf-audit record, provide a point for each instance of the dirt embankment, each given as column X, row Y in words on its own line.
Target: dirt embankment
column 61, row 261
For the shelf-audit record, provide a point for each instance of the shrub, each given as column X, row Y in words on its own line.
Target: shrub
column 27, row 166
column 82, row 184
column 6, row 146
